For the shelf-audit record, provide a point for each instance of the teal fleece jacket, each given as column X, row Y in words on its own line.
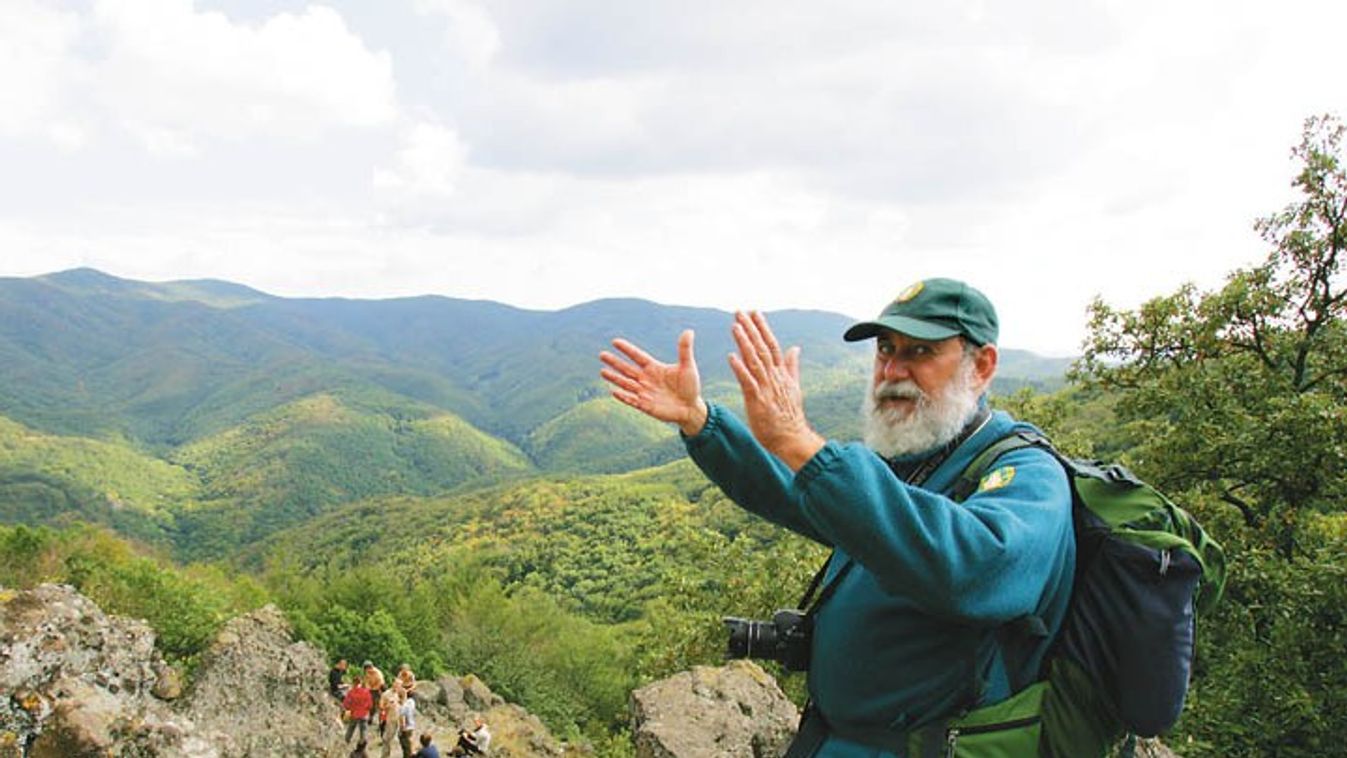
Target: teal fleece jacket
column 908, row 635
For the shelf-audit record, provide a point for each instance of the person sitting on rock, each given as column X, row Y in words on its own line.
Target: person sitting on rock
column 427, row 750
column 474, row 742
column 356, row 707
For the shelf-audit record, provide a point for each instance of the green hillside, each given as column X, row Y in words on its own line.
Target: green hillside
column 602, row 436
column 294, row 462
column 168, row 363
column 601, row 544
column 49, row 479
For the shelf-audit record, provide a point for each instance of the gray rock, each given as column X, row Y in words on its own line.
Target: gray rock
column 732, row 711
column 477, row 695
column 262, row 694
column 1153, row 748
column 74, row 681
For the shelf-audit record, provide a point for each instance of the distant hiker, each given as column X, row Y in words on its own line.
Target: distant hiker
column 407, row 721
column 359, row 751
column 389, row 703
column 406, row 678
column 427, row 750
column 356, row 707
column 336, row 684
column 475, row 742
column 374, row 679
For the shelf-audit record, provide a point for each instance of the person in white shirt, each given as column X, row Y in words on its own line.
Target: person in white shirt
column 407, row 718
column 475, row 742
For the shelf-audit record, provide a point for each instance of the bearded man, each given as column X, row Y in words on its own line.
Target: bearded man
column 908, row 628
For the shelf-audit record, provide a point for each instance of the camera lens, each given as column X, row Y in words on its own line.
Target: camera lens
column 750, row 639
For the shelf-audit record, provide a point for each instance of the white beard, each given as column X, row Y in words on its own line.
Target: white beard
column 930, row 423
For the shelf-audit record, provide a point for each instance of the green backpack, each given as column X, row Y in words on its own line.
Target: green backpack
column 1121, row 662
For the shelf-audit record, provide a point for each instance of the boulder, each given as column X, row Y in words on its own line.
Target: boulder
column 260, row 693
column 731, row 711
column 1153, row 748
column 477, row 695
column 76, row 682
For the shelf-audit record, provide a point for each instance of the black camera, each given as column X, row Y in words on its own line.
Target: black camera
column 784, row 639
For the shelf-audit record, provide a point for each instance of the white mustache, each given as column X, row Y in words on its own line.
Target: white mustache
column 904, row 390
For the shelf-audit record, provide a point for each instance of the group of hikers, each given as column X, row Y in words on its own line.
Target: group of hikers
column 371, row 700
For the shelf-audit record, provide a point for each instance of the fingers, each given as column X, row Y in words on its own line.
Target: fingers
column 748, row 357
column 620, row 379
column 686, row 358
column 747, row 383
column 766, row 337
column 617, row 370
column 636, row 354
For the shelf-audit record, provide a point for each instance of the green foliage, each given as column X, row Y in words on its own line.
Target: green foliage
column 303, row 458
column 601, row 436
column 185, row 607
column 49, row 479
column 1282, row 625
column 1222, row 389
column 1233, row 401
column 456, row 616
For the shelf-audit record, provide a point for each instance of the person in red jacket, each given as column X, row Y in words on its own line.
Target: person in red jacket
column 356, row 707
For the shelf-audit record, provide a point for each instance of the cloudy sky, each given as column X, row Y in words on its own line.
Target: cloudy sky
column 759, row 154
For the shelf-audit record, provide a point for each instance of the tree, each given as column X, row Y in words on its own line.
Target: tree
column 1239, row 393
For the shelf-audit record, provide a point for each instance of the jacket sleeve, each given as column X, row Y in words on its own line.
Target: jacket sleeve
column 987, row 559
column 747, row 473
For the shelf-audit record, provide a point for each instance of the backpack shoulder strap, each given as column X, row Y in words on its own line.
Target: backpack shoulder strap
column 971, row 477
column 1017, row 636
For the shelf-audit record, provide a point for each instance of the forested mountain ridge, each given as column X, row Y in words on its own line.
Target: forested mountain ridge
column 269, row 411
column 168, row 363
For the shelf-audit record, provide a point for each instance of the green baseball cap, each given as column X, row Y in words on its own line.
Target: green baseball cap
column 934, row 309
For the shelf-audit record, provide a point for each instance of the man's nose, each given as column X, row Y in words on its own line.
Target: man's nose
column 894, row 368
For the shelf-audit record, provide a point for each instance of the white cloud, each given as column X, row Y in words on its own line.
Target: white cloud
column 767, row 153
column 424, row 171
column 35, row 70
column 174, row 75
column 469, row 31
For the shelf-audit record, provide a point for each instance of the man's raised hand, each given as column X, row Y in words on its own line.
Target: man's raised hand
column 773, row 400
column 663, row 391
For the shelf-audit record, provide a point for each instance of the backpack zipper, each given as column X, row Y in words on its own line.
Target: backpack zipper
column 952, row 734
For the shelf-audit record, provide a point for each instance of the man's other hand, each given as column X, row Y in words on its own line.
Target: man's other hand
column 773, row 400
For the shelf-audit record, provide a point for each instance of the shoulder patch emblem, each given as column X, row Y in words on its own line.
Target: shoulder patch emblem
column 997, row 479
column 910, row 292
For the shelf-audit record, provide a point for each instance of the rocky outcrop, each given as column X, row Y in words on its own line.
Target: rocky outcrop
column 734, row 711
column 515, row 733
column 257, row 692
column 75, row 682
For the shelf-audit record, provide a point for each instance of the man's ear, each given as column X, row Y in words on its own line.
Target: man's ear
column 984, row 365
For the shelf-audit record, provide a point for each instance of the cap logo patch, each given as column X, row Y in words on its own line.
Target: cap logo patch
column 997, row 479
column 910, row 292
